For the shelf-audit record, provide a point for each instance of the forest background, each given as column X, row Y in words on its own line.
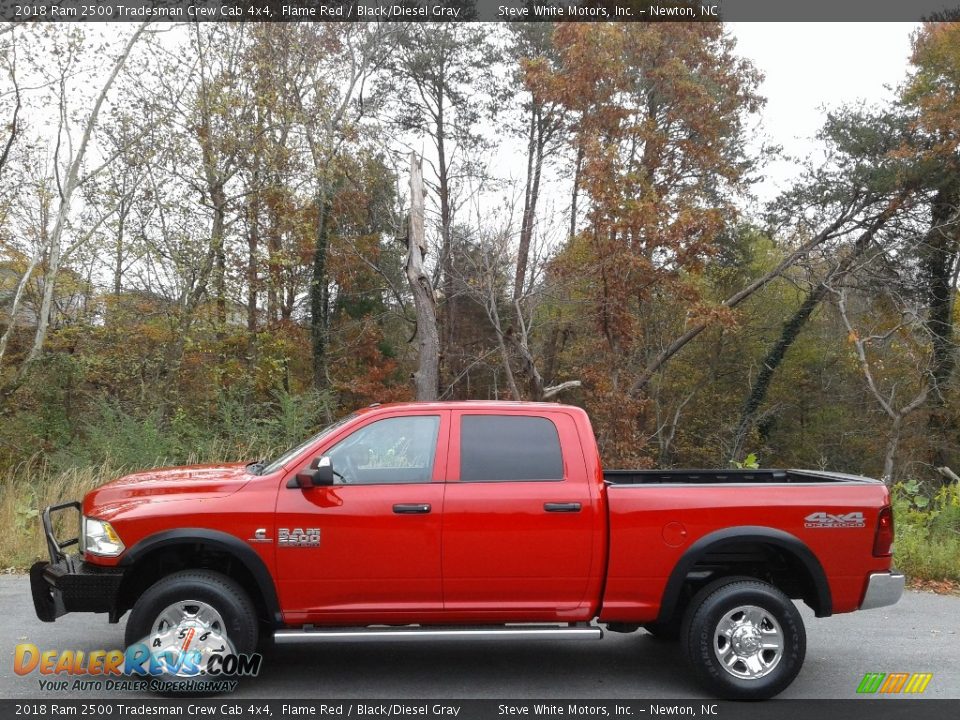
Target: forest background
column 205, row 253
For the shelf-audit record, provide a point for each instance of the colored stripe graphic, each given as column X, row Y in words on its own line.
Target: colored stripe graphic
column 918, row 682
column 893, row 683
column 871, row 682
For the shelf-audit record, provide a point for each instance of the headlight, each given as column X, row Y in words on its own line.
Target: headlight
column 99, row 538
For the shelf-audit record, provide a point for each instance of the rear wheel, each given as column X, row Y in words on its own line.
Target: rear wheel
column 744, row 639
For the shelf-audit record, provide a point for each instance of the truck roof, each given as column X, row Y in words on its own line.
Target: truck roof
column 464, row 404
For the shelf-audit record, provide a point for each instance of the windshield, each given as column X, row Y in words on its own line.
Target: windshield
column 293, row 452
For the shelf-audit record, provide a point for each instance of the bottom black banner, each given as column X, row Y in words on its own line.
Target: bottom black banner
column 858, row 709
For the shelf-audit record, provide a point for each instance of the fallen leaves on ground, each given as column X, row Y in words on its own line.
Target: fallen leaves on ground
column 940, row 587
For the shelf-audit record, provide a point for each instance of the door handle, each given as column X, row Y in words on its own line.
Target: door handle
column 561, row 507
column 411, row 508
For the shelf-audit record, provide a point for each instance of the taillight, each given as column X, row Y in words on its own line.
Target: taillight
column 883, row 541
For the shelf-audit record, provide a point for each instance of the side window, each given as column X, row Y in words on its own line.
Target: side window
column 501, row 448
column 393, row 450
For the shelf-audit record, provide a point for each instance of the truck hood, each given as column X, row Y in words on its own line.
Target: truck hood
column 198, row 482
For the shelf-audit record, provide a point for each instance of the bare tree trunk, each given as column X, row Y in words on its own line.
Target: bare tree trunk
column 522, row 342
column 896, row 414
column 791, row 330
column 427, row 376
column 220, row 280
column 66, row 200
column 941, row 248
column 892, row 442
column 535, row 148
column 14, row 124
column 507, row 370
column 189, row 301
column 578, row 167
column 253, row 243
column 680, row 342
column 274, row 282
column 218, row 201
column 15, row 305
column 318, row 289
column 493, row 314
column 118, row 253
column 446, row 246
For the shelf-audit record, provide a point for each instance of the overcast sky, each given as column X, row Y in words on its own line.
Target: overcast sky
column 810, row 67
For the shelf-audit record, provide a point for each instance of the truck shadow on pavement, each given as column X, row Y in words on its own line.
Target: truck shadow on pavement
column 632, row 665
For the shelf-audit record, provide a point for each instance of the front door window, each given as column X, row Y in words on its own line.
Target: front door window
column 393, row 450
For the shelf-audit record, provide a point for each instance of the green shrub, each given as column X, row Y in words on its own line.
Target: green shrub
column 927, row 544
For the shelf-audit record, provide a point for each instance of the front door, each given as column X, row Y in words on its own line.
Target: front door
column 368, row 547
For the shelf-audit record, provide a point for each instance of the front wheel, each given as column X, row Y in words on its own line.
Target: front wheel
column 188, row 617
column 745, row 639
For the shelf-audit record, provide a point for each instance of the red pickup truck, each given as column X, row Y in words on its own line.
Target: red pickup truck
column 478, row 519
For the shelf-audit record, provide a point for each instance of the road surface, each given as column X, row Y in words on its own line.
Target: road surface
column 920, row 634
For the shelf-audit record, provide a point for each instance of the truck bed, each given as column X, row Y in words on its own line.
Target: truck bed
column 726, row 477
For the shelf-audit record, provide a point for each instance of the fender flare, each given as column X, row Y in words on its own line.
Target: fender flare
column 220, row 541
column 746, row 533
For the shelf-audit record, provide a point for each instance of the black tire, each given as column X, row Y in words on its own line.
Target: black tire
column 764, row 672
column 217, row 590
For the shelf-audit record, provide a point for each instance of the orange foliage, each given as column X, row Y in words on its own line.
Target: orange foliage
column 934, row 88
column 657, row 111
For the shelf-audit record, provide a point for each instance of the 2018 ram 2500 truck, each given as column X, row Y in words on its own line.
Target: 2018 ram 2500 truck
column 478, row 519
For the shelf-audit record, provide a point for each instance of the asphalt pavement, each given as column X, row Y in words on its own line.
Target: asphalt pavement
column 920, row 634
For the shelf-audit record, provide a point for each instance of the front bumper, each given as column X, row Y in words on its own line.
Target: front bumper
column 73, row 586
column 66, row 583
column 883, row 589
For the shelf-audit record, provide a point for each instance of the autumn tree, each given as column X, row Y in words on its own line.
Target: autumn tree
column 932, row 96
column 339, row 61
column 662, row 109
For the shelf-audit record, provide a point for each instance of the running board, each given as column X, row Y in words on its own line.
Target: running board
column 403, row 634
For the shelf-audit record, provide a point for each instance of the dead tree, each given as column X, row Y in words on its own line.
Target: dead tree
column 427, row 376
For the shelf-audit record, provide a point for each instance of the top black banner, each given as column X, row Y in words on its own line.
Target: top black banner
column 477, row 10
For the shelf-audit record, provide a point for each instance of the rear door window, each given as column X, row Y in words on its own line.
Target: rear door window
column 504, row 448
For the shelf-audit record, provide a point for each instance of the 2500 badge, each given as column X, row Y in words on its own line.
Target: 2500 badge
column 298, row 537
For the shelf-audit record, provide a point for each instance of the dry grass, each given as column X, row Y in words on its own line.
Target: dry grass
column 26, row 489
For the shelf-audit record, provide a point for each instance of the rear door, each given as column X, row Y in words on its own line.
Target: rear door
column 519, row 517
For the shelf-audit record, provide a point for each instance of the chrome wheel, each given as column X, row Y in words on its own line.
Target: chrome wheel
column 748, row 642
column 188, row 614
column 185, row 635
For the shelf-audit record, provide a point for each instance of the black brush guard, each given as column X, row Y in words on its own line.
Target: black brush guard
column 67, row 584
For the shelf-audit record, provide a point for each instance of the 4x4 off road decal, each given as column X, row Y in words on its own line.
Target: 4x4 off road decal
column 299, row 537
column 829, row 520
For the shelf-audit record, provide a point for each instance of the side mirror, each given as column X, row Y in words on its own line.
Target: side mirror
column 319, row 473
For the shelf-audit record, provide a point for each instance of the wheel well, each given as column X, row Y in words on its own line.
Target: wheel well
column 766, row 561
column 163, row 561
